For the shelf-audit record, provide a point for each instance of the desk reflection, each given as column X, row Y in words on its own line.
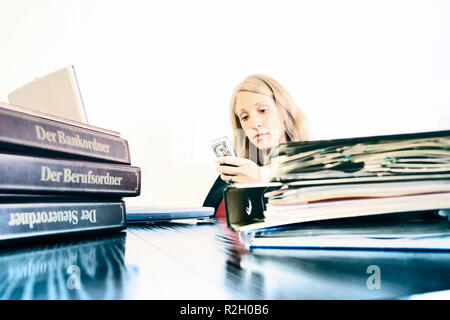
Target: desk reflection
column 347, row 274
column 207, row 261
column 90, row 268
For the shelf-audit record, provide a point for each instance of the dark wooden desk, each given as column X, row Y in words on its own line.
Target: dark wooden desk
column 206, row 261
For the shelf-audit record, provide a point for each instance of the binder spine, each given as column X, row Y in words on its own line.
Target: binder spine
column 26, row 174
column 25, row 220
column 30, row 133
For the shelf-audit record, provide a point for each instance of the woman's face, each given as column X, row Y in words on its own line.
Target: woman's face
column 260, row 119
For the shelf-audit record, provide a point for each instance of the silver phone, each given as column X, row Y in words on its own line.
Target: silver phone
column 223, row 147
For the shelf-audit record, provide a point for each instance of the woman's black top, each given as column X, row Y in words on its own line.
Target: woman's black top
column 215, row 195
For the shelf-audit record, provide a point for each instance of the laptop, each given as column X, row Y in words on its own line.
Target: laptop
column 49, row 93
column 153, row 214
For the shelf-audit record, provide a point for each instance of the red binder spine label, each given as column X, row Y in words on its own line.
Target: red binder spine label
column 19, row 129
column 21, row 220
column 43, row 175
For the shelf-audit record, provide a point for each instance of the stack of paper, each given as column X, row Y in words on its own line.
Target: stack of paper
column 357, row 177
column 410, row 231
column 361, row 176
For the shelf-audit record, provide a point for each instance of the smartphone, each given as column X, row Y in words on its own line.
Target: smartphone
column 223, row 147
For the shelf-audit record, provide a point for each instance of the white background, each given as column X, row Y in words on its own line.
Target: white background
column 162, row 72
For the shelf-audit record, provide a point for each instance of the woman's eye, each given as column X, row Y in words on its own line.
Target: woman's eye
column 244, row 118
column 263, row 110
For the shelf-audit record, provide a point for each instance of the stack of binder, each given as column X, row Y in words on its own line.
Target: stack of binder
column 60, row 176
column 352, row 192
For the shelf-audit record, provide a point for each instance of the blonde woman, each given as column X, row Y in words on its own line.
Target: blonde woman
column 263, row 115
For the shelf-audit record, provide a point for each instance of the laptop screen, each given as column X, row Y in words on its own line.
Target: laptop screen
column 57, row 94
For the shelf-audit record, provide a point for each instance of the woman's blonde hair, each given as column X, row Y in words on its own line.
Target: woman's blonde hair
column 295, row 120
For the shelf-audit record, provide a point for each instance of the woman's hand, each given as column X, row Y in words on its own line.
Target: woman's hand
column 242, row 170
